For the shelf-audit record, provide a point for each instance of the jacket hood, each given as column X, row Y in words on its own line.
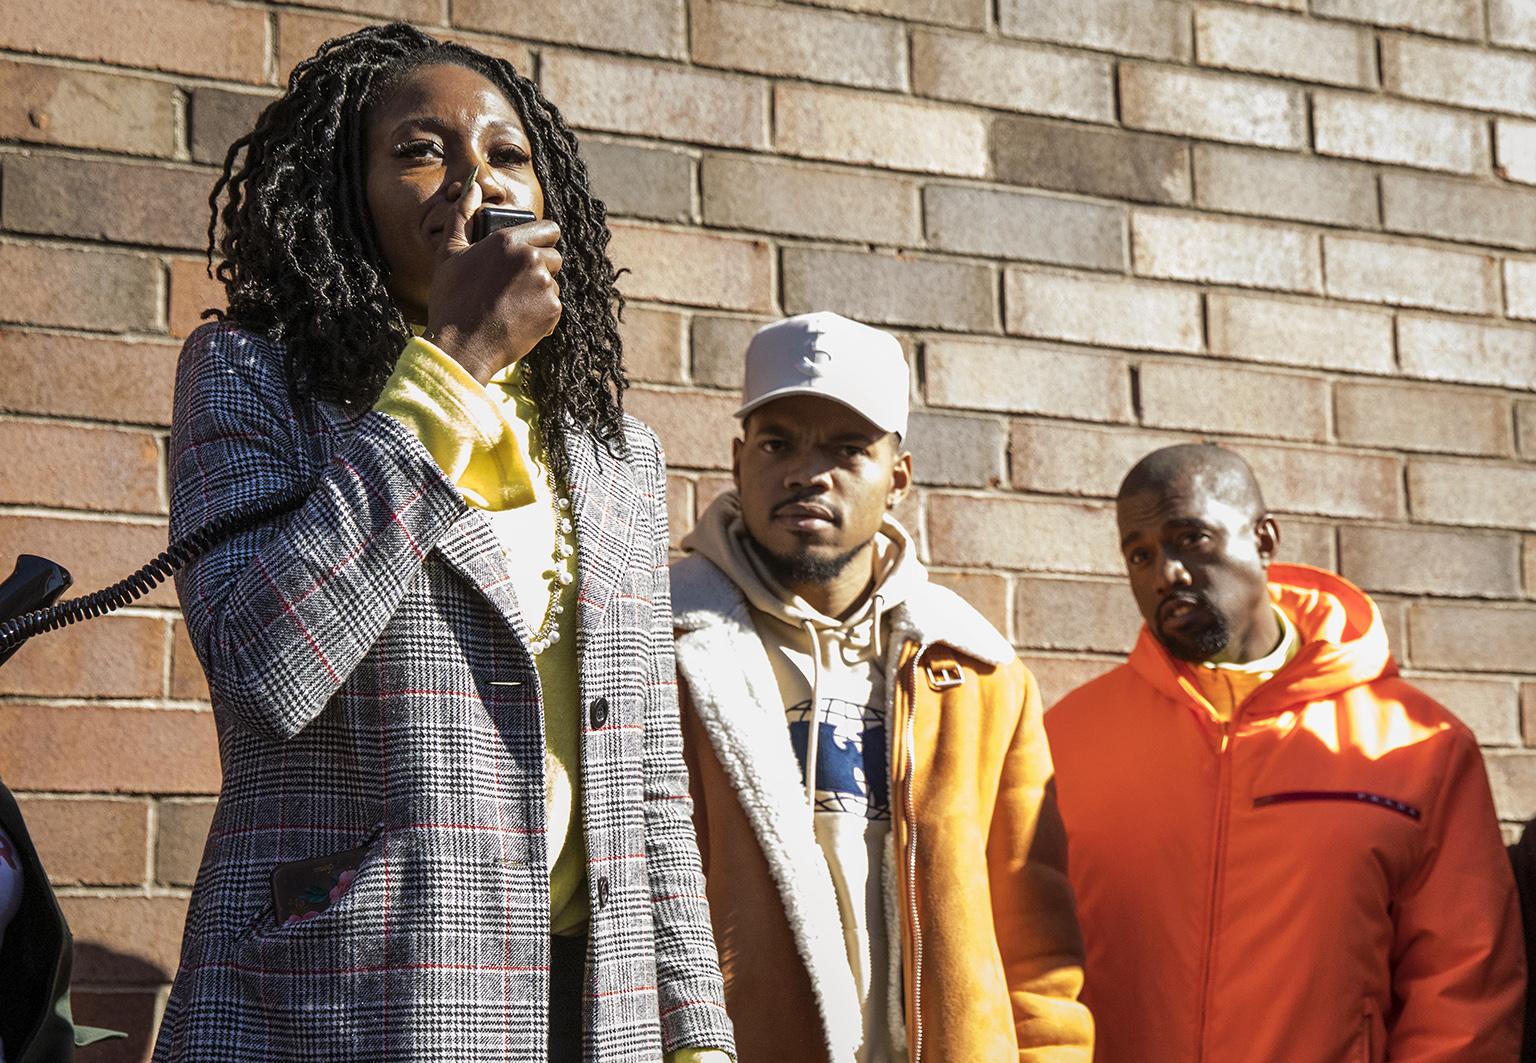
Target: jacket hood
column 1343, row 643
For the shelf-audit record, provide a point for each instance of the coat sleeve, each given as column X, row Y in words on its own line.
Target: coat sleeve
column 281, row 614
column 690, row 989
column 1458, row 965
column 1033, row 909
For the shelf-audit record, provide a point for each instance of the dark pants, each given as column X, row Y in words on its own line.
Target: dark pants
column 567, row 975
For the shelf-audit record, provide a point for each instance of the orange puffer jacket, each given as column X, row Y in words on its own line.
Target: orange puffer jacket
column 1320, row 880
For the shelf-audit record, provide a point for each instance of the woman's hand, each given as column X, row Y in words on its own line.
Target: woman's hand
column 493, row 301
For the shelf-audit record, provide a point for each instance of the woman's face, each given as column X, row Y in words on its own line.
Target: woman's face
column 423, row 143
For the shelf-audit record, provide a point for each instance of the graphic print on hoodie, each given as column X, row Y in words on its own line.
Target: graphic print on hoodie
column 833, row 671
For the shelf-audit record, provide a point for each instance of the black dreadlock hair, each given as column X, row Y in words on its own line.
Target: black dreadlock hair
column 300, row 263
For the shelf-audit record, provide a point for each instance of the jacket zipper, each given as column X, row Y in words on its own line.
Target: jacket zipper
column 1223, row 785
column 910, row 815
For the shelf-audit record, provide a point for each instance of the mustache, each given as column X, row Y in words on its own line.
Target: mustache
column 1195, row 598
column 811, row 499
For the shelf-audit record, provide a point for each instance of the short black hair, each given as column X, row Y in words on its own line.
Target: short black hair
column 299, row 260
column 1223, row 469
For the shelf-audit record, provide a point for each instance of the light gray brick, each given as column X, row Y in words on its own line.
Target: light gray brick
column 1186, row 247
column 1014, row 77
column 1444, row 18
column 1278, row 184
column 983, row 532
column 967, row 14
column 1094, row 162
column 693, row 268
column 1315, row 335
column 719, row 345
column 1515, row 150
column 1211, row 106
column 950, row 450
column 1410, row 134
column 1060, row 614
column 1330, row 483
column 1210, row 398
column 1467, row 353
column 1465, row 211
column 623, row 96
column 1055, row 458
column 755, row 193
column 890, row 289
column 805, row 43
column 1520, row 289
column 1416, row 417
column 1491, row 707
column 650, row 27
column 1398, row 274
column 879, row 130
column 1027, row 378
column 1512, row 22
column 640, row 181
column 1158, row 29
column 1472, row 493
column 1460, row 74
column 1284, row 45
column 1024, row 227
column 1525, row 428
column 1111, row 313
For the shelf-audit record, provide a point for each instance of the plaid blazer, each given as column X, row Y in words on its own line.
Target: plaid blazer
column 370, row 679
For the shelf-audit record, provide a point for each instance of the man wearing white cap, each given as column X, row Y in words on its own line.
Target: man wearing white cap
column 885, row 867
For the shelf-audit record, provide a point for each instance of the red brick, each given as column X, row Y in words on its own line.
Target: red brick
column 181, row 832
column 81, row 468
column 425, row 13
column 1473, row 493
column 113, row 656
column 102, row 290
column 1412, row 417
column 187, row 680
column 184, row 36
column 986, row 592
column 1016, row 533
column 133, row 1012
column 41, row 372
column 640, row 181
column 1491, row 707
column 1431, row 561
column 883, row 289
column 1027, row 378
column 92, row 842
column 218, row 117
column 87, row 109
column 96, row 749
column 956, row 451
column 125, row 940
column 1060, row 614
column 696, row 429
column 694, row 268
column 814, row 45
column 192, row 292
column 1472, row 638
column 90, row 199
column 300, row 36
column 709, row 488
column 96, row 552
column 655, row 344
column 971, row 14
column 646, row 27
column 1213, row 398
column 1058, row 676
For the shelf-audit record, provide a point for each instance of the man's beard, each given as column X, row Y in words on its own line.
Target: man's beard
column 803, row 567
column 1201, row 643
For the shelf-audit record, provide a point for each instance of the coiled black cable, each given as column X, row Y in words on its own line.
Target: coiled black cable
column 194, row 544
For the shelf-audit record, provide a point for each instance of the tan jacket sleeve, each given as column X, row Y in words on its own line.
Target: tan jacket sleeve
column 1033, row 909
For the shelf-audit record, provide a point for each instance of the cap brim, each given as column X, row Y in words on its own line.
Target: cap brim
column 783, row 393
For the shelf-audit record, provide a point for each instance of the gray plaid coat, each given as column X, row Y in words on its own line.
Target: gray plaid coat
column 370, row 679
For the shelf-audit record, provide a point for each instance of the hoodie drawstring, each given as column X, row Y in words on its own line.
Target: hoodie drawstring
column 813, row 736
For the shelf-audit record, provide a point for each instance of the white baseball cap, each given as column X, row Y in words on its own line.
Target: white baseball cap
column 828, row 355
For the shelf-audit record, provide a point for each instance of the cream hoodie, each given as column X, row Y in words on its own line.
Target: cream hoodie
column 831, row 676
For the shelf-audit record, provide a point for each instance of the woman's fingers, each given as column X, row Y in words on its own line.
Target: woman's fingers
column 456, row 235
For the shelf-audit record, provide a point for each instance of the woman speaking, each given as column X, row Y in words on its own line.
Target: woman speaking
column 454, row 821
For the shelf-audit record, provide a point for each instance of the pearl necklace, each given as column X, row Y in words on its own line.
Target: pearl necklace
column 559, row 573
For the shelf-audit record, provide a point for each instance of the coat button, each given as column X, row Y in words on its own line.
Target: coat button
column 599, row 712
column 603, row 889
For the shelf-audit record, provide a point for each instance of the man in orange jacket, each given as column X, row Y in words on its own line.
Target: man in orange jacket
column 870, row 774
column 1282, row 852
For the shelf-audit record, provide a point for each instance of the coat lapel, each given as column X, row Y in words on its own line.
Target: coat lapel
column 471, row 549
column 732, row 689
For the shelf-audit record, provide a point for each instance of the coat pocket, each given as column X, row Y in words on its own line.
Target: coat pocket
column 350, row 892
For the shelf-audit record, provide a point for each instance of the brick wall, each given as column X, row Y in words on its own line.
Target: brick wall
column 1099, row 227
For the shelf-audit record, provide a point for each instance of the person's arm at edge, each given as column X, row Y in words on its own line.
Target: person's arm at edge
column 1033, row 909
